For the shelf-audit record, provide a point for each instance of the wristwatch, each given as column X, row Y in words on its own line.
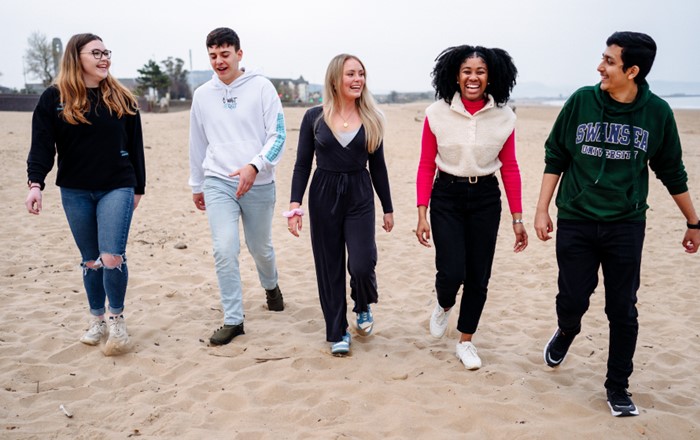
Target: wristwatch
column 693, row 226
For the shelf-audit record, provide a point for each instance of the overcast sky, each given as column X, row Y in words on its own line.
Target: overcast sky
column 555, row 42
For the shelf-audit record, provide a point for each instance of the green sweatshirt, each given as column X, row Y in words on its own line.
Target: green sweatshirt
column 602, row 147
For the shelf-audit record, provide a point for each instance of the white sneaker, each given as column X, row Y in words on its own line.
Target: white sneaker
column 94, row 333
column 466, row 352
column 118, row 337
column 438, row 321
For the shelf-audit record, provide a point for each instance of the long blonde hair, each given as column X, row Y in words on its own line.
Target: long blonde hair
column 371, row 117
column 71, row 86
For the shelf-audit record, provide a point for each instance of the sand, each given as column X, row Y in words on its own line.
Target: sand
column 279, row 381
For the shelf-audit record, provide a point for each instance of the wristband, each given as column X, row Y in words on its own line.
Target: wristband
column 518, row 221
column 35, row 185
column 254, row 167
column 293, row 212
column 693, row 226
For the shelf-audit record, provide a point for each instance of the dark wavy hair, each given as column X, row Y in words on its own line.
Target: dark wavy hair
column 501, row 72
column 638, row 49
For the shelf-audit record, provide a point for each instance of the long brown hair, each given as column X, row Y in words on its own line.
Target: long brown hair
column 71, row 86
column 370, row 115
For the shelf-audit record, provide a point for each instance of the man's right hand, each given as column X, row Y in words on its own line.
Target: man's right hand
column 198, row 199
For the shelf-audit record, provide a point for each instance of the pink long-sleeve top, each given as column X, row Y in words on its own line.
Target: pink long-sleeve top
column 510, row 172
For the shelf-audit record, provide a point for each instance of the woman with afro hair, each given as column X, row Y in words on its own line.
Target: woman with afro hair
column 468, row 135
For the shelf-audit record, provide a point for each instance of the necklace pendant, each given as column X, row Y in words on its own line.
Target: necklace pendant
column 345, row 124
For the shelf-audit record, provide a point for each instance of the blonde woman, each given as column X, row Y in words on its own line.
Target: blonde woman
column 346, row 136
column 92, row 122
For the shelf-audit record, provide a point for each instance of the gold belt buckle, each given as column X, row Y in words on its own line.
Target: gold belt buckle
column 475, row 179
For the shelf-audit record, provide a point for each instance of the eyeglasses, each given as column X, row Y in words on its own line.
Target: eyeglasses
column 98, row 54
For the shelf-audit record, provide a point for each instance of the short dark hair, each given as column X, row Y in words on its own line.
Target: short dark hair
column 501, row 71
column 638, row 49
column 223, row 36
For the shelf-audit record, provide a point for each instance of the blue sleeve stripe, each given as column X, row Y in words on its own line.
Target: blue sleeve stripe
column 274, row 152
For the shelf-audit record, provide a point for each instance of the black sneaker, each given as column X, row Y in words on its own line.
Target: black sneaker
column 225, row 334
column 556, row 348
column 620, row 403
column 275, row 302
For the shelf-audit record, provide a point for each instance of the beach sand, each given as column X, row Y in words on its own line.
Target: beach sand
column 278, row 381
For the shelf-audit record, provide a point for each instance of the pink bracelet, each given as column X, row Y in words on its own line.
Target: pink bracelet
column 293, row 212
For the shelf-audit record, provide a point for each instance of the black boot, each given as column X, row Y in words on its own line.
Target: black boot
column 274, row 299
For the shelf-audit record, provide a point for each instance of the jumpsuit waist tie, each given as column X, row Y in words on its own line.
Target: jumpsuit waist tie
column 341, row 185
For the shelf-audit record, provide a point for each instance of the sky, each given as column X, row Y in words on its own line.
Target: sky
column 553, row 42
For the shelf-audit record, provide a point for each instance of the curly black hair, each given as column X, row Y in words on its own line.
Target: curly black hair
column 501, row 71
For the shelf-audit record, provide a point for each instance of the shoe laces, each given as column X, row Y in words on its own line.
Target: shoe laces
column 117, row 326
column 442, row 316
column 469, row 348
column 620, row 397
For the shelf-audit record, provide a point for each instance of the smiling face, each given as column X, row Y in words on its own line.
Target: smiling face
column 473, row 77
column 353, row 80
column 612, row 78
column 224, row 60
column 93, row 70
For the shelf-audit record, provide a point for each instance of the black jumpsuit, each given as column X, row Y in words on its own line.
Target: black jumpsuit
column 341, row 212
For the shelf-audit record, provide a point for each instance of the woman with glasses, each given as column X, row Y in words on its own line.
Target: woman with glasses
column 92, row 122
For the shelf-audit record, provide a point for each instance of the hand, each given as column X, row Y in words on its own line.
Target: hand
column 520, row 237
column 137, row 199
column 246, row 178
column 198, row 199
column 691, row 240
column 388, row 221
column 33, row 201
column 294, row 224
column 423, row 232
column 543, row 225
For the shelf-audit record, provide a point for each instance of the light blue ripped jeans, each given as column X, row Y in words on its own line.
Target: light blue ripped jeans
column 224, row 210
column 100, row 221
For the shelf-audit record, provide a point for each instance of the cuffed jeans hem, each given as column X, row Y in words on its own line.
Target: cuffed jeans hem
column 97, row 312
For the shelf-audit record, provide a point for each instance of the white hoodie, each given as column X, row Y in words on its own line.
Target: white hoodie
column 235, row 125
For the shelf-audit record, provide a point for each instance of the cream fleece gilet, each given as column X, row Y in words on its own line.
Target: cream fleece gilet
column 468, row 145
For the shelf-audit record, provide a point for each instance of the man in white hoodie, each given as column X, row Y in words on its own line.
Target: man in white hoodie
column 237, row 137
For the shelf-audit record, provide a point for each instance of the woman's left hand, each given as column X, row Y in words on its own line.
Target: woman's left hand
column 388, row 221
column 520, row 237
column 137, row 199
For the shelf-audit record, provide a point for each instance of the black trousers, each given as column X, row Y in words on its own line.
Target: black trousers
column 465, row 219
column 341, row 212
column 582, row 248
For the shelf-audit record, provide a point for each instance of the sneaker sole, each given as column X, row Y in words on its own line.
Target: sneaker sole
column 551, row 363
column 366, row 331
column 634, row 412
column 469, row 367
column 90, row 342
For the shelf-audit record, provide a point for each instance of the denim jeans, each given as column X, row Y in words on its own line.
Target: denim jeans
column 100, row 221
column 224, row 210
column 582, row 248
column 465, row 219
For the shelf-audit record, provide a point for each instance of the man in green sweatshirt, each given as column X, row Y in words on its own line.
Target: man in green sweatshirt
column 602, row 145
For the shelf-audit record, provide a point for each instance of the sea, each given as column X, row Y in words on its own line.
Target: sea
column 676, row 102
